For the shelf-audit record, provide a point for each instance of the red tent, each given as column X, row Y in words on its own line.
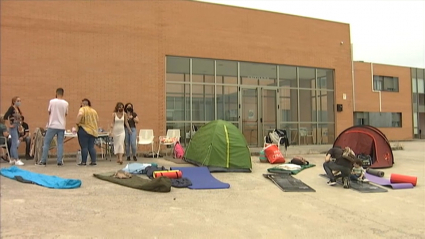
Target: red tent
column 368, row 140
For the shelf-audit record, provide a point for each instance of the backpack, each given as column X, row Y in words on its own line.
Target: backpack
column 178, row 150
column 299, row 161
column 366, row 160
column 274, row 137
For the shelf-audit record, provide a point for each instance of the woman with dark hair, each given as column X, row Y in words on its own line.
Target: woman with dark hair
column 118, row 126
column 87, row 122
column 13, row 114
column 85, row 102
column 131, row 136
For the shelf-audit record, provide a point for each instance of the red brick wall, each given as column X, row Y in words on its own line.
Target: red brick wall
column 111, row 51
column 368, row 101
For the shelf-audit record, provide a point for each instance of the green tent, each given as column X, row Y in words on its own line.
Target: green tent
column 221, row 147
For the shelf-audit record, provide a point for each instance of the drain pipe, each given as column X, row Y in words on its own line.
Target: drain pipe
column 379, row 92
column 352, row 78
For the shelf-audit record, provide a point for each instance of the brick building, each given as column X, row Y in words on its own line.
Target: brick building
column 184, row 63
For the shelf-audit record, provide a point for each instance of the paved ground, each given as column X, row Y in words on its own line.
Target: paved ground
column 252, row 208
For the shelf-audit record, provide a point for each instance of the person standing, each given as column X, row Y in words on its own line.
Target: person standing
column 131, row 136
column 118, row 126
column 58, row 110
column 24, row 136
column 14, row 114
column 87, row 122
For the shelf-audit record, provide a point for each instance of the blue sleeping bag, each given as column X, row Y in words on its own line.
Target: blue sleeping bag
column 47, row 181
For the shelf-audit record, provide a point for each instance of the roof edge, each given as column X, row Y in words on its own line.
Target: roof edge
column 269, row 11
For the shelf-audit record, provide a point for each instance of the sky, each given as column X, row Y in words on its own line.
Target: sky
column 386, row 31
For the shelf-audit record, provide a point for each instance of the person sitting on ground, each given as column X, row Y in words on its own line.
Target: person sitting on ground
column 335, row 161
column 25, row 136
column 358, row 173
column 4, row 135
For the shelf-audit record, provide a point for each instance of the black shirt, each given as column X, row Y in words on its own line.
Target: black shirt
column 336, row 153
column 131, row 122
column 12, row 115
column 26, row 129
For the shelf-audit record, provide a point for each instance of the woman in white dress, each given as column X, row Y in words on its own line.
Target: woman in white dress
column 118, row 127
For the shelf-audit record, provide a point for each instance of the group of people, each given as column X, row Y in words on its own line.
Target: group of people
column 24, row 136
column 123, row 130
column 15, row 132
column 343, row 163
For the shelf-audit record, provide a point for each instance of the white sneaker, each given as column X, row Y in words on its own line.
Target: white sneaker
column 19, row 162
column 12, row 161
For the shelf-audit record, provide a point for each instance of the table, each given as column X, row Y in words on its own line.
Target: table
column 101, row 135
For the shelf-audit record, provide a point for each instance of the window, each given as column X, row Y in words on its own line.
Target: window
column 200, row 90
column 325, row 79
column 288, row 76
column 378, row 119
column 307, row 77
column 227, row 72
column 385, row 83
column 258, row 74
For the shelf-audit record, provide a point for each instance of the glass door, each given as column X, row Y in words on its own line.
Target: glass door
column 249, row 106
column 268, row 120
column 258, row 114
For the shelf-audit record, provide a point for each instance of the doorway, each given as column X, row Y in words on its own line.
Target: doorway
column 258, row 113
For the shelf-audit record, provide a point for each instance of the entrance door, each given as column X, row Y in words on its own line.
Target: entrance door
column 258, row 111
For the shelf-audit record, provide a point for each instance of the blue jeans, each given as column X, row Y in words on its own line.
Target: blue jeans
column 329, row 166
column 130, row 140
column 87, row 145
column 354, row 177
column 14, row 144
column 50, row 134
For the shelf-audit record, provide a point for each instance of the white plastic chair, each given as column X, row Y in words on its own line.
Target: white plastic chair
column 146, row 137
column 173, row 136
column 305, row 134
column 275, row 143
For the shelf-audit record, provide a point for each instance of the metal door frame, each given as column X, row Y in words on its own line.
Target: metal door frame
column 260, row 109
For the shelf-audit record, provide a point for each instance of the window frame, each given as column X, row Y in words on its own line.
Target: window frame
column 378, row 83
column 365, row 119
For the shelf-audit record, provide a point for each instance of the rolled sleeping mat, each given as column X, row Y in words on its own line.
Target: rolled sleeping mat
column 398, row 178
column 375, row 172
column 168, row 174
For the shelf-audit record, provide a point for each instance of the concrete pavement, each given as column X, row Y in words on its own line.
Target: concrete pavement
column 253, row 207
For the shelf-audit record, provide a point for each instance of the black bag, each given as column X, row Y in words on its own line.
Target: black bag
column 299, row 161
column 268, row 139
column 366, row 160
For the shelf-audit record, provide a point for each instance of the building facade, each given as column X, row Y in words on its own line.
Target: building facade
column 383, row 98
column 185, row 63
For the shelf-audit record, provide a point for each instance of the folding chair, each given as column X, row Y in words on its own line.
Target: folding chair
column 173, row 136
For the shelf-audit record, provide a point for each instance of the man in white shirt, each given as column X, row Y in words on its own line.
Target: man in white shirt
column 58, row 110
